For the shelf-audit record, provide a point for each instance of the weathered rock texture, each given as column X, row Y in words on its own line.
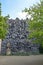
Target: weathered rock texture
column 17, row 38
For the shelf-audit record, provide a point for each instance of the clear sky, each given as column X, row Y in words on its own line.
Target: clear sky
column 14, row 7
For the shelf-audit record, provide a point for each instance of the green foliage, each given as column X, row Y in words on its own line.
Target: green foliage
column 3, row 27
column 41, row 49
column 36, row 22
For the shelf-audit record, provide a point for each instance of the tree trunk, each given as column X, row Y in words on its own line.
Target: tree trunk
column 0, row 45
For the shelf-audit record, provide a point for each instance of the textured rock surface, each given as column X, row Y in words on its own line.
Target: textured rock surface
column 17, row 37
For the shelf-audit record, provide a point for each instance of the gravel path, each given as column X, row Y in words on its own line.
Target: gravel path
column 21, row 60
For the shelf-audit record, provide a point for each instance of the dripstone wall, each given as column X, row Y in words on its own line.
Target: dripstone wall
column 16, row 39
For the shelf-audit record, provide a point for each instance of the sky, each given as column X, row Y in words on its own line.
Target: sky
column 14, row 7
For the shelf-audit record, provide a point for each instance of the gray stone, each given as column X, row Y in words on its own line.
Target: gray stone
column 17, row 37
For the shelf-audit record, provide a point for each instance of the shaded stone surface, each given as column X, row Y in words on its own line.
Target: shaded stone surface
column 17, row 37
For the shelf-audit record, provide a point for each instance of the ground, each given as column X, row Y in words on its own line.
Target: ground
column 21, row 60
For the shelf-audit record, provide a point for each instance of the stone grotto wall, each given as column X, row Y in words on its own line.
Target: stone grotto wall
column 16, row 39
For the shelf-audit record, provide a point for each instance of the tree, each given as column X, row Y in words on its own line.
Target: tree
column 0, row 9
column 3, row 27
column 36, row 22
